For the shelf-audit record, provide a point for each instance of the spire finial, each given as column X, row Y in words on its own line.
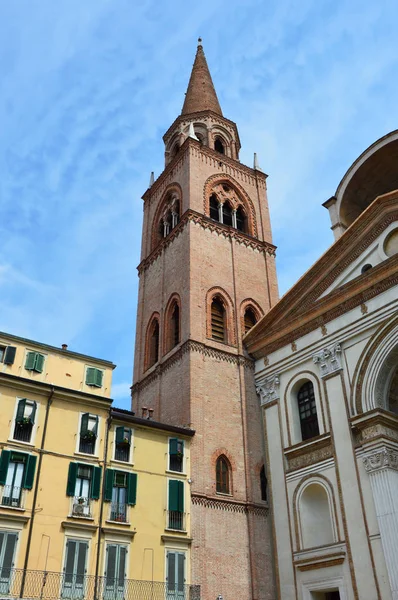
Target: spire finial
column 199, row 41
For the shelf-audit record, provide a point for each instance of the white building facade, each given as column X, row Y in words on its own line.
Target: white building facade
column 327, row 379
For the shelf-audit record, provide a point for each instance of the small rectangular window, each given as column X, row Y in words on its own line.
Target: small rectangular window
column 34, row 362
column 24, row 420
column 9, row 355
column 122, row 443
column 94, row 377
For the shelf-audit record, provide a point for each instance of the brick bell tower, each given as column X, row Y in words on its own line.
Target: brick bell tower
column 207, row 274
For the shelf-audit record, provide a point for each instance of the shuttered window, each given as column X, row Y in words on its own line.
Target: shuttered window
column 250, row 319
column 122, row 444
column 94, row 377
column 115, row 570
column 116, row 480
column 83, row 481
column 176, row 455
column 217, row 320
column 34, row 362
column 175, row 574
column 75, row 569
column 8, row 542
column 176, row 495
column 7, row 355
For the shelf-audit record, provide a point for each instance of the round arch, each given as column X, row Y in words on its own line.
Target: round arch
column 172, row 192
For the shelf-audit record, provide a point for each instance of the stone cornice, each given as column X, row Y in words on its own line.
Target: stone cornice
column 326, row 309
column 213, row 226
column 186, row 347
column 304, row 299
column 381, row 458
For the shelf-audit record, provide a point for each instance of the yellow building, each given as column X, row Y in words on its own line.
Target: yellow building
column 94, row 501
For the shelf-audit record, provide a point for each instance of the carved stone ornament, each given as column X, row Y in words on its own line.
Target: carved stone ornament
column 328, row 360
column 382, row 458
column 268, row 390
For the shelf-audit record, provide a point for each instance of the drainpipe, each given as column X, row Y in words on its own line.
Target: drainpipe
column 97, row 561
column 32, row 518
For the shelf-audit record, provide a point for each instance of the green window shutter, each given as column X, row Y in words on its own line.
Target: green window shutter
column 90, row 376
column 29, row 474
column 9, row 356
column 39, row 363
column 180, row 496
column 173, row 495
column 95, row 430
column 132, row 488
column 72, row 474
column 119, row 435
column 33, row 415
column 4, row 462
column 20, row 410
column 95, row 488
column 98, row 377
column 30, row 361
column 84, row 424
column 173, row 446
column 109, row 476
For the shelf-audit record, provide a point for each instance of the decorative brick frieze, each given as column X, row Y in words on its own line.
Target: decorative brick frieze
column 328, row 360
column 268, row 390
column 229, row 505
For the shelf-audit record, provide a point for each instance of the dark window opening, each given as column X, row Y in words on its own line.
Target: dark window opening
column 175, row 150
column 217, row 320
column 226, row 188
column 176, row 455
column 219, row 146
column 175, row 326
column 250, row 319
column 227, row 214
column 222, row 475
column 307, row 411
column 263, row 484
column 214, row 213
column 366, row 267
column 241, row 220
column 154, row 344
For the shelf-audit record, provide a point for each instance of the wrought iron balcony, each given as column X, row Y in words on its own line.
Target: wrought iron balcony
column 45, row 585
column 122, row 452
column 119, row 512
column 23, row 431
column 12, row 496
column 80, row 507
column 176, row 520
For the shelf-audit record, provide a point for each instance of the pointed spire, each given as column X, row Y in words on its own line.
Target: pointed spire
column 201, row 94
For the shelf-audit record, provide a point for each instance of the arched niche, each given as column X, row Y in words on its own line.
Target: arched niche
column 315, row 516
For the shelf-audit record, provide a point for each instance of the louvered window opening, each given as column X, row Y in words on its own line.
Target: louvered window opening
column 250, row 319
column 222, row 476
column 217, row 321
column 154, row 345
column 219, row 146
column 307, row 411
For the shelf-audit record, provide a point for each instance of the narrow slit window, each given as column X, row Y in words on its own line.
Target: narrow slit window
column 227, row 214
column 241, row 220
column 249, row 319
column 154, row 344
column 217, row 320
column 222, row 476
column 175, row 326
column 214, row 212
column 307, row 411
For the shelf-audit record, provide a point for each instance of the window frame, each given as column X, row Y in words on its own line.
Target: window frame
column 183, row 462
column 131, row 453
column 292, row 418
column 78, row 436
column 13, row 422
column 222, row 459
column 38, row 355
column 310, row 422
column 94, row 385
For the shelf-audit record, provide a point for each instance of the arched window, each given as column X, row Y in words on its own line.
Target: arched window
column 219, row 146
column 307, row 411
column 222, row 475
column 241, row 220
column 249, row 319
column 227, row 214
column 214, row 212
column 153, row 344
column 263, row 484
column 174, row 333
column 217, row 320
column 315, row 517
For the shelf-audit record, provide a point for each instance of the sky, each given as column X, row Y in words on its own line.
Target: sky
column 87, row 90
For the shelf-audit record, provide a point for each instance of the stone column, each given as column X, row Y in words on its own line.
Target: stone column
column 234, row 218
column 382, row 466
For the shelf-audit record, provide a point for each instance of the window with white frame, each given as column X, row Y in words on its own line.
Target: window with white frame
column 176, row 455
column 123, row 441
column 88, row 433
column 115, row 571
column 175, row 573
column 73, row 585
column 17, row 472
column 24, row 420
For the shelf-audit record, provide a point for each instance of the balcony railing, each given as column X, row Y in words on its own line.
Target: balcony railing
column 12, row 496
column 80, row 507
column 45, row 585
column 118, row 512
column 23, row 432
column 176, row 520
column 87, row 445
column 122, row 452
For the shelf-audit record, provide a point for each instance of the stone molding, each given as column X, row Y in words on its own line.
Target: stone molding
column 382, row 458
column 268, row 390
column 186, row 347
column 328, row 360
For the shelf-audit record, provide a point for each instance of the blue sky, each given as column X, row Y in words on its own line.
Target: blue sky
column 87, row 90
